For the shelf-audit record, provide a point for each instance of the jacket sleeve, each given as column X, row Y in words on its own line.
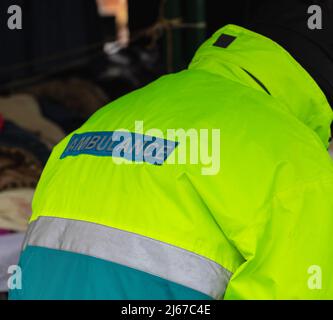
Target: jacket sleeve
column 292, row 258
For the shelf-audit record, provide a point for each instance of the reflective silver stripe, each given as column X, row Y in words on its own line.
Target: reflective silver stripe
column 139, row 252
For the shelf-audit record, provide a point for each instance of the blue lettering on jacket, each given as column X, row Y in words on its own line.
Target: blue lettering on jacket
column 128, row 145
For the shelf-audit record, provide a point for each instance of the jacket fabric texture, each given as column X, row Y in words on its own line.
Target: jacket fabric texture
column 260, row 228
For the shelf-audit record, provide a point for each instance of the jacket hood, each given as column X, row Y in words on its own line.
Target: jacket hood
column 259, row 62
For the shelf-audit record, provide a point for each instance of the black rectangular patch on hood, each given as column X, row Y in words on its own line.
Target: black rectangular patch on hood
column 224, row 41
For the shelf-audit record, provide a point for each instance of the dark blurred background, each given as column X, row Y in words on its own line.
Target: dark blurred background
column 117, row 44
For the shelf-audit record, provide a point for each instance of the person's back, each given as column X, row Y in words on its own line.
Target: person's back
column 128, row 209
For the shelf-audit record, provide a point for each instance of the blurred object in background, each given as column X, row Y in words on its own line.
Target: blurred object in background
column 176, row 27
column 73, row 93
column 22, row 158
column 15, row 209
column 118, row 9
column 135, row 63
column 185, row 31
column 14, row 137
column 2, row 122
column 24, row 111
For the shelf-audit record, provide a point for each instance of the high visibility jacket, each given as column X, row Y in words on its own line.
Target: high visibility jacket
column 256, row 226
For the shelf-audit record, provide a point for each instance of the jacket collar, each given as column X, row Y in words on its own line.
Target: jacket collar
column 251, row 56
